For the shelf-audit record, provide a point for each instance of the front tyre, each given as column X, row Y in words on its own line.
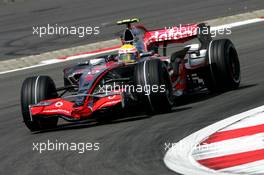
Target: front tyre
column 157, row 95
column 35, row 89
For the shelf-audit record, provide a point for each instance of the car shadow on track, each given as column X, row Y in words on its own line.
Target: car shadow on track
column 140, row 114
column 204, row 95
column 246, row 86
column 92, row 123
column 89, row 124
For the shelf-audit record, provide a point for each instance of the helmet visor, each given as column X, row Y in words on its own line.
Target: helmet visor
column 127, row 57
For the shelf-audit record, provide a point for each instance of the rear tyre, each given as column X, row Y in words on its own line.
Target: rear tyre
column 224, row 67
column 35, row 89
column 151, row 75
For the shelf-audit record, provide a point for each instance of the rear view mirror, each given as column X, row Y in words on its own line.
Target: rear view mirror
column 145, row 54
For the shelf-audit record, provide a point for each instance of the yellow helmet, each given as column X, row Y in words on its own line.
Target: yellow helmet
column 128, row 53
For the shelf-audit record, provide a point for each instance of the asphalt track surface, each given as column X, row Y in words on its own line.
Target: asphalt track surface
column 17, row 20
column 132, row 145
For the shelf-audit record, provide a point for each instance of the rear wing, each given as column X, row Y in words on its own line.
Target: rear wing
column 170, row 34
column 178, row 34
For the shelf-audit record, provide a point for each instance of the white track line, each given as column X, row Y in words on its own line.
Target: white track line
column 79, row 56
column 180, row 159
column 54, row 61
column 238, row 24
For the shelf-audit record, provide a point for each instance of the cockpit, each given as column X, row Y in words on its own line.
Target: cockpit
column 134, row 36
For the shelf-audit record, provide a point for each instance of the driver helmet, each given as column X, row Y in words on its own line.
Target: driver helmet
column 128, row 53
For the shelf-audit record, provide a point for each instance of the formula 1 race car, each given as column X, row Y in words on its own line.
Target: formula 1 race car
column 99, row 86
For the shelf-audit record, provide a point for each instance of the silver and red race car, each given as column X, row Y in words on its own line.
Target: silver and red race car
column 100, row 86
